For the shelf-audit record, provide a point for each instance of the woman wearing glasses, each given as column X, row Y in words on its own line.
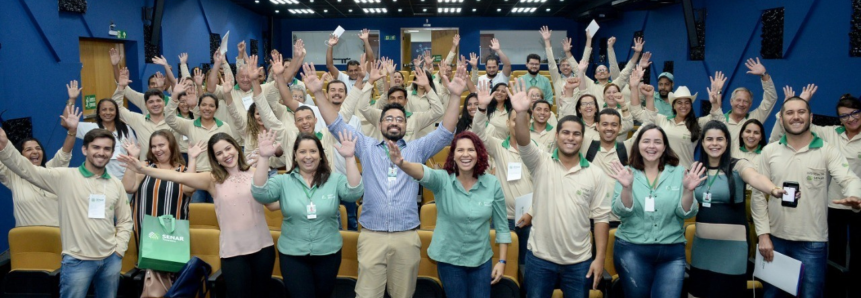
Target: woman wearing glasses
column 840, row 218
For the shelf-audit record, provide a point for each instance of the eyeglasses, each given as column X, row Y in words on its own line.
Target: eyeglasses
column 600, row 70
column 587, row 104
column 391, row 119
column 855, row 115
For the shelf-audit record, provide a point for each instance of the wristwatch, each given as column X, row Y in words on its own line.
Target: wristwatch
column 502, row 261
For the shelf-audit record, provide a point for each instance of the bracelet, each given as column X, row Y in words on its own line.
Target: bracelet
column 775, row 188
column 72, row 134
column 502, row 261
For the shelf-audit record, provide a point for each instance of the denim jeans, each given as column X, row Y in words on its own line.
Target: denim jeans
column 650, row 270
column 814, row 257
column 465, row 282
column 201, row 196
column 76, row 276
column 541, row 277
column 352, row 223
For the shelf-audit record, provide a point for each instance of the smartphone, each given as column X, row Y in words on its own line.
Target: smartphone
column 791, row 197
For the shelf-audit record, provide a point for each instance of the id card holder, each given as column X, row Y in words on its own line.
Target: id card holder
column 650, row 204
column 311, row 210
column 707, row 199
column 392, row 174
column 97, row 206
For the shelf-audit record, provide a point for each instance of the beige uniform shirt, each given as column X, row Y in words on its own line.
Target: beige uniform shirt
column 33, row 206
column 603, row 159
column 242, row 99
column 556, row 77
column 504, row 152
column 563, row 202
column 499, row 122
column 811, row 167
column 143, row 126
column 194, row 130
column 769, row 98
column 546, row 138
column 416, row 121
column 677, row 133
column 82, row 237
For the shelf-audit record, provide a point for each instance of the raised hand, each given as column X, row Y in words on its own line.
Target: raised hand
column 364, row 34
column 584, row 64
column 73, row 90
column 647, row 90
column 571, row 84
column 636, row 77
column 808, row 91
column 455, row 41
column 694, row 176
column 390, row 66
column 227, row 84
column 714, row 96
column 422, row 79
column 622, row 174
column 473, row 60
column 195, row 150
column 333, row 40
column 132, row 148
column 309, row 76
column 326, row 77
column 183, row 58
column 788, row 92
column 428, row 59
column 484, row 96
column 377, row 71
column 755, row 67
column 266, row 144
column 395, row 153
column 251, row 68
column 717, row 81
column 348, row 144
column 123, row 79
column 131, row 162
column 494, row 45
column 645, row 59
column 638, row 44
column 566, row 44
column 180, row 87
column 217, row 58
column 588, row 35
column 458, row 83
column 611, row 41
column 70, row 118
column 545, row 33
column 277, row 64
column 241, row 48
column 159, row 78
column 417, row 63
column 517, row 94
column 298, row 49
column 160, row 60
column 4, row 140
column 115, row 56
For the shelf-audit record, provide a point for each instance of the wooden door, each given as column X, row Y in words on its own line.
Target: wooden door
column 406, row 49
column 97, row 77
column 441, row 43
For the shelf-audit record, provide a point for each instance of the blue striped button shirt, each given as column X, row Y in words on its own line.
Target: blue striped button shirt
column 391, row 207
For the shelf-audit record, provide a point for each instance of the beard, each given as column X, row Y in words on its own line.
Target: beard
column 795, row 133
column 393, row 136
column 533, row 73
column 663, row 93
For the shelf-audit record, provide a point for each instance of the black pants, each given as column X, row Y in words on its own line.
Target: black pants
column 843, row 224
column 310, row 276
column 248, row 275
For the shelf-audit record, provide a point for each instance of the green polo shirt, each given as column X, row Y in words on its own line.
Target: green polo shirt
column 542, row 83
column 301, row 236
column 666, row 225
column 663, row 107
column 462, row 234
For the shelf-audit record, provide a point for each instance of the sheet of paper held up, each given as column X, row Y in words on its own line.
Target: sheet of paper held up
column 522, row 205
column 338, row 31
column 782, row 272
column 224, row 42
column 593, row 28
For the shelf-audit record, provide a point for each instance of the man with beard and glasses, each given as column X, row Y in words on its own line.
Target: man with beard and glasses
column 389, row 247
column 801, row 232
column 398, row 96
column 491, row 67
column 533, row 79
column 568, row 193
column 94, row 212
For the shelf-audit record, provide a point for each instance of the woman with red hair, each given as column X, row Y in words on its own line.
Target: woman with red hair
column 466, row 198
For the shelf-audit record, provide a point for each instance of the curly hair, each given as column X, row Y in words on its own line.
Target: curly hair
column 481, row 164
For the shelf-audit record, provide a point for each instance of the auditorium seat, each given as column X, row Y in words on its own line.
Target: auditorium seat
column 348, row 273
column 428, row 283
column 276, row 286
column 427, row 217
column 509, row 285
column 205, row 245
column 202, row 216
column 36, row 253
column 273, row 218
column 343, row 212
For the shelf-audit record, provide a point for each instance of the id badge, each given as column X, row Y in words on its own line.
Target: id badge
column 311, row 210
column 650, row 204
column 97, row 206
column 707, row 199
column 393, row 174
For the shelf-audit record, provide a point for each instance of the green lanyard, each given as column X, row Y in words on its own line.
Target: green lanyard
column 652, row 184
column 711, row 181
column 310, row 194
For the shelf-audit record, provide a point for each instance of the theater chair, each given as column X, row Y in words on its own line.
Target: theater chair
column 202, row 216
column 427, row 217
column 205, row 245
column 36, row 253
column 348, row 273
column 428, row 284
column 509, row 285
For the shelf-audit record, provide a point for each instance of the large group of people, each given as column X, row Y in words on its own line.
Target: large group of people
column 600, row 153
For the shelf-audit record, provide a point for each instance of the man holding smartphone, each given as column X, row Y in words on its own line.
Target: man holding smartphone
column 804, row 162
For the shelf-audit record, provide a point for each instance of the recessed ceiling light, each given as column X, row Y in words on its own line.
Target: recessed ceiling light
column 312, row 1
column 276, row 11
column 256, row 1
column 473, row 10
column 548, row 10
column 424, row 10
column 498, row 9
column 350, row 10
column 365, row 10
column 400, row 10
column 325, row 10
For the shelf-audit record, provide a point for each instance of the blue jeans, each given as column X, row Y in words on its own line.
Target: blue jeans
column 352, row 223
column 650, row 270
column 76, row 276
column 465, row 282
column 201, row 196
column 814, row 257
column 541, row 276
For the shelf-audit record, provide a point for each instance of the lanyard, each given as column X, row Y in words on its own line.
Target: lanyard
column 653, row 184
column 309, row 194
column 711, row 181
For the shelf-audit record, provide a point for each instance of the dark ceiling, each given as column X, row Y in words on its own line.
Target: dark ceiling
column 584, row 9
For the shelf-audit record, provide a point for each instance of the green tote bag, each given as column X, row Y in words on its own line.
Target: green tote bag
column 165, row 244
